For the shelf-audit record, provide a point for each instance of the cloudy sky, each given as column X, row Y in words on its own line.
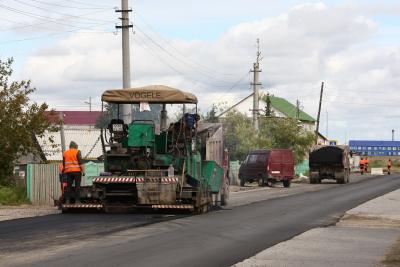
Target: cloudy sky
column 71, row 51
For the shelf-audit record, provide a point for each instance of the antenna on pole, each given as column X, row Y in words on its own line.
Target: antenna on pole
column 256, row 95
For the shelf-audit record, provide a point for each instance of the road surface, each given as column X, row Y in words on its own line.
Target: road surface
column 219, row 238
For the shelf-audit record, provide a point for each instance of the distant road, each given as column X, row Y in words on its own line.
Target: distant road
column 219, row 238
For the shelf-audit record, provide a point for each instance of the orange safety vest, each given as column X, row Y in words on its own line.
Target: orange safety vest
column 71, row 163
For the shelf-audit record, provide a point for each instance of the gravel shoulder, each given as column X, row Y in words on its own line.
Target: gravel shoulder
column 25, row 211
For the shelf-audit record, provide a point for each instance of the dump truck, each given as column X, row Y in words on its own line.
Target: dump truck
column 151, row 165
column 329, row 162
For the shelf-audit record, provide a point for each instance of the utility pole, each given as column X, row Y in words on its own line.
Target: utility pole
column 297, row 109
column 256, row 100
column 392, row 134
column 126, row 68
column 319, row 112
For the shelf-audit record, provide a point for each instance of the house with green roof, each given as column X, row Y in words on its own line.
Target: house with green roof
column 283, row 108
column 280, row 107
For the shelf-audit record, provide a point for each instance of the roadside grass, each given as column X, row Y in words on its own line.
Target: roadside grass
column 380, row 162
column 12, row 195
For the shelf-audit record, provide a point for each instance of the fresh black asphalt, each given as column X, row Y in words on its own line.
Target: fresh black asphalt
column 219, row 238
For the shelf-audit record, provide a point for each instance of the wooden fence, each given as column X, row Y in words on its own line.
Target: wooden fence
column 43, row 184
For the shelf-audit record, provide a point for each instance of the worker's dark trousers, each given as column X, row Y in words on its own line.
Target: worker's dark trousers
column 73, row 192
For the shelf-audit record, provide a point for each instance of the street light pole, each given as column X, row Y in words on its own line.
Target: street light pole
column 89, row 103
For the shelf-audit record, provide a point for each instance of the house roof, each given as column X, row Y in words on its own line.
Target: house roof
column 75, row 117
column 88, row 141
column 288, row 108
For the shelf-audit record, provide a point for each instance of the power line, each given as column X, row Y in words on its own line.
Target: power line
column 160, row 48
column 205, row 68
column 346, row 90
column 150, row 50
column 35, row 24
column 60, row 13
column 233, row 86
column 85, row 4
column 49, row 35
column 355, row 103
column 66, row 6
column 163, row 49
column 44, row 18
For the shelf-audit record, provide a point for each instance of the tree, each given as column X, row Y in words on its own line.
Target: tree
column 287, row 133
column 274, row 132
column 211, row 115
column 20, row 120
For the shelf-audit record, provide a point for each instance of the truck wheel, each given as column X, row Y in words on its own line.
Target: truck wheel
column 269, row 183
column 262, row 180
column 286, row 183
column 340, row 181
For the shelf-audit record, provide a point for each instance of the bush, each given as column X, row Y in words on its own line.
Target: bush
column 377, row 164
column 396, row 163
column 11, row 195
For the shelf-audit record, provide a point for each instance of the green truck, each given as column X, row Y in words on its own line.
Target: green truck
column 156, row 164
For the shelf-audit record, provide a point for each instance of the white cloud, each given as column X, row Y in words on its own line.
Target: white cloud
column 308, row 44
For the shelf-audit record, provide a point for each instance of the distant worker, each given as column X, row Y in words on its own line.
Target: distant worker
column 74, row 169
column 366, row 161
column 362, row 165
column 389, row 165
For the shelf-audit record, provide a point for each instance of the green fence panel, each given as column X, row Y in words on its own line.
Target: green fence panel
column 234, row 172
column 92, row 169
column 29, row 181
column 302, row 167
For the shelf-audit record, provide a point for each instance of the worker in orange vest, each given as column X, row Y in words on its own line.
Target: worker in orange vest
column 362, row 166
column 74, row 169
column 389, row 165
column 366, row 161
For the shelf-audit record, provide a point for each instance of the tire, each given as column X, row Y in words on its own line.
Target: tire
column 286, row 183
column 269, row 183
column 340, row 181
column 223, row 200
